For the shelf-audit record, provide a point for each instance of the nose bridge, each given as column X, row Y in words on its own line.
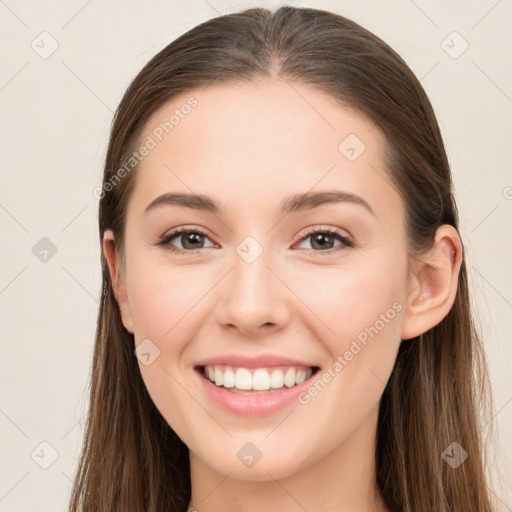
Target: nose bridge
column 252, row 295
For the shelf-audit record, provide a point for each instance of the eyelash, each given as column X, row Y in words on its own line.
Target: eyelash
column 345, row 242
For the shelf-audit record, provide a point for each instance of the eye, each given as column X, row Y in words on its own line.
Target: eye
column 322, row 240
column 191, row 239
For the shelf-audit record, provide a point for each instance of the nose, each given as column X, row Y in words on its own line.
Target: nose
column 254, row 297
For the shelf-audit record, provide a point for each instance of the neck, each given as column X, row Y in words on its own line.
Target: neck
column 342, row 481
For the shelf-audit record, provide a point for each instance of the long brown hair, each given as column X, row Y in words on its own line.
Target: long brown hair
column 131, row 459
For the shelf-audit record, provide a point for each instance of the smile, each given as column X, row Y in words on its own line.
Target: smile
column 256, row 379
column 254, row 391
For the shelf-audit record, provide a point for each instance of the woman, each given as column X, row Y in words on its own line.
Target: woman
column 285, row 319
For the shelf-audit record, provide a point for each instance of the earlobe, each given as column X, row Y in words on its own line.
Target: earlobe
column 433, row 283
column 118, row 285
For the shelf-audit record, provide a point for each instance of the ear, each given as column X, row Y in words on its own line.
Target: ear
column 118, row 284
column 433, row 283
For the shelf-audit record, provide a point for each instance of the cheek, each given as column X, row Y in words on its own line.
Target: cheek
column 348, row 301
column 162, row 301
column 162, row 298
column 347, row 391
column 358, row 317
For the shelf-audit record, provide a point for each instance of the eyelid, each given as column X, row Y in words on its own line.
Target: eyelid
column 185, row 228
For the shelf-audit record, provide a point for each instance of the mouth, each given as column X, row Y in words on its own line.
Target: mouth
column 256, row 381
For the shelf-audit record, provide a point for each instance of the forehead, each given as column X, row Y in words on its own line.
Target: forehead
column 282, row 114
column 262, row 140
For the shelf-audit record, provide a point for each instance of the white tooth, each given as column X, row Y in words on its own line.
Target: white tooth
column 289, row 378
column 277, row 379
column 260, row 380
column 243, row 379
column 219, row 376
column 229, row 378
column 300, row 377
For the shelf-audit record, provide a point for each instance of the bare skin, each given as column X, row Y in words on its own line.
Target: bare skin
column 248, row 147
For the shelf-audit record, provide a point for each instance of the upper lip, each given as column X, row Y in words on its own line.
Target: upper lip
column 261, row 361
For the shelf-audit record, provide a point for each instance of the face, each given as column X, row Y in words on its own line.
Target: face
column 301, row 273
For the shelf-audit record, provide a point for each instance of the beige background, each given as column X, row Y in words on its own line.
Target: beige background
column 55, row 118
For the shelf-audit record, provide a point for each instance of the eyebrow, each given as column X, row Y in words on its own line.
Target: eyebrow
column 294, row 203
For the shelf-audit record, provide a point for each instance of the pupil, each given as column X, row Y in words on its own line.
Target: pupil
column 322, row 239
column 192, row 237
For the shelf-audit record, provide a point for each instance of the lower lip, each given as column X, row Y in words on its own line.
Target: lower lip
column 254, row 405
